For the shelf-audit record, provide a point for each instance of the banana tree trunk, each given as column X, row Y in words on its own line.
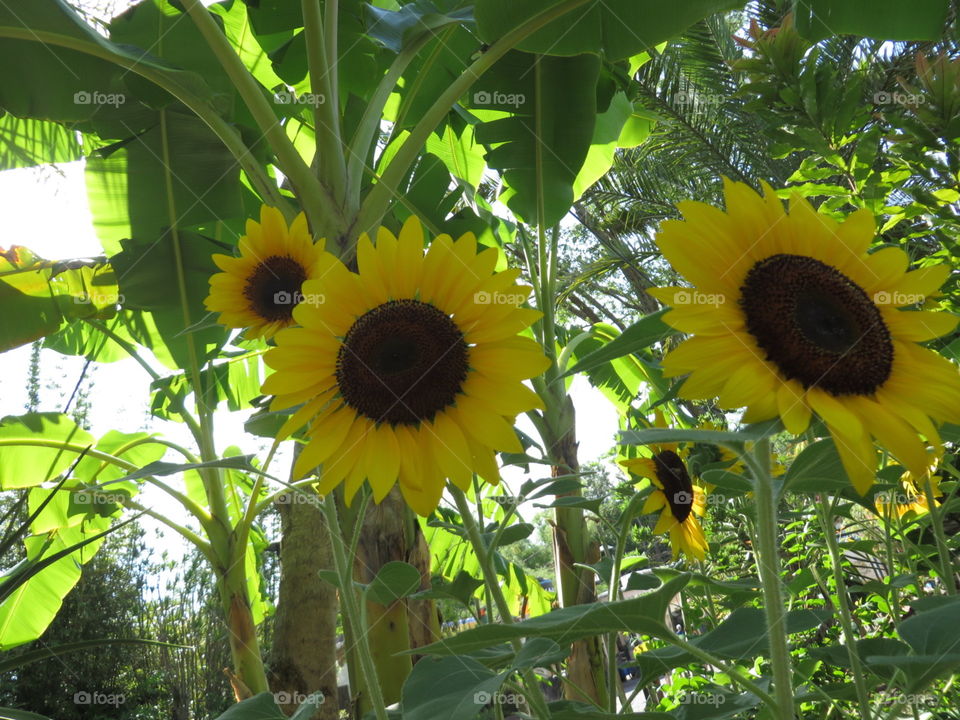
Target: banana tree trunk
column 572, row 544
column 390, row 532
column 304, row 654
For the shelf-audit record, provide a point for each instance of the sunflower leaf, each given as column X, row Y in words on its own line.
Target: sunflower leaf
column 639, row 336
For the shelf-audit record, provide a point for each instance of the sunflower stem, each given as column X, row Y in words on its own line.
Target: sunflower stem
column 534, row 695
column 946, row 565
column 351, row 608
column 768, row 564
column 825, row 513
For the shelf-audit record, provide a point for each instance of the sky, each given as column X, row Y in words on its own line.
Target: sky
column 45, row 209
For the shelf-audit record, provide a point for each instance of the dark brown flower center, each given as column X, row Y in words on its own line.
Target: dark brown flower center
column 677, row 486
column 402, row 362
column 273, row 288
column 817, row 325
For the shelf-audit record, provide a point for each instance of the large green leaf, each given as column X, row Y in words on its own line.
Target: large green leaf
column 643, row 615
column 25, row 142
column 541, row 146
column 70, row 85
column 881, row 19
column 616, row 29
column 23, row 465
column 448, row 688
column 38, row 296
column 148, row 269
column 27, row 612
column 639, row 336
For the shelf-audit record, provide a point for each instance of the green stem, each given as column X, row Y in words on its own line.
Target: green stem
column 351, row 608
column 321, row 40
column 613, row 593
column 768, row 562
column 378, row 200
column 534, row 698
column 946, row 564
column 825, row 513
column 366, row 130
column 733, row 672
column 317, row 202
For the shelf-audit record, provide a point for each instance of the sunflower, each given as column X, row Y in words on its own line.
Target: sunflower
column 675, row 495
column 791, row 316
column 411, row 370
column 259, row 289
column 911, row 496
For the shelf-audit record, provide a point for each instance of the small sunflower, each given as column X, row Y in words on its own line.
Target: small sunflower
column 675, row 494
column 791, row 316
column 259, row 289
column 911, row 496
column 411, row 370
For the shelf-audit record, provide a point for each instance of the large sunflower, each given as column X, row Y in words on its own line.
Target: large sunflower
column 411, row 370
column 675, row 495
column 259, row 289
column 790, row 316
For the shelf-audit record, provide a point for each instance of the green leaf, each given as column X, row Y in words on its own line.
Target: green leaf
column 540, row 148
column 462, row 588
column 25, row 142
column 15, row 714
column 448, row 688
column 817, row 468
column 643, row 614
column 262, row 706
column 394, row 581
column 881, row 19
column 656, row 436
column 24, row 465
column 933, row 631
column 571, row 710
column 397, row 29
column 39, row 295
column 607, row 135
column 540, row 652
column 639, row 336
column 616, row 29
column 55, row 651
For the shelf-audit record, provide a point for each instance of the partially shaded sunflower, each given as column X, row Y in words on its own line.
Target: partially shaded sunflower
column 259, row 289
column 911, row 497
column 791, row 316
column 679, row 500
column 411, row 370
